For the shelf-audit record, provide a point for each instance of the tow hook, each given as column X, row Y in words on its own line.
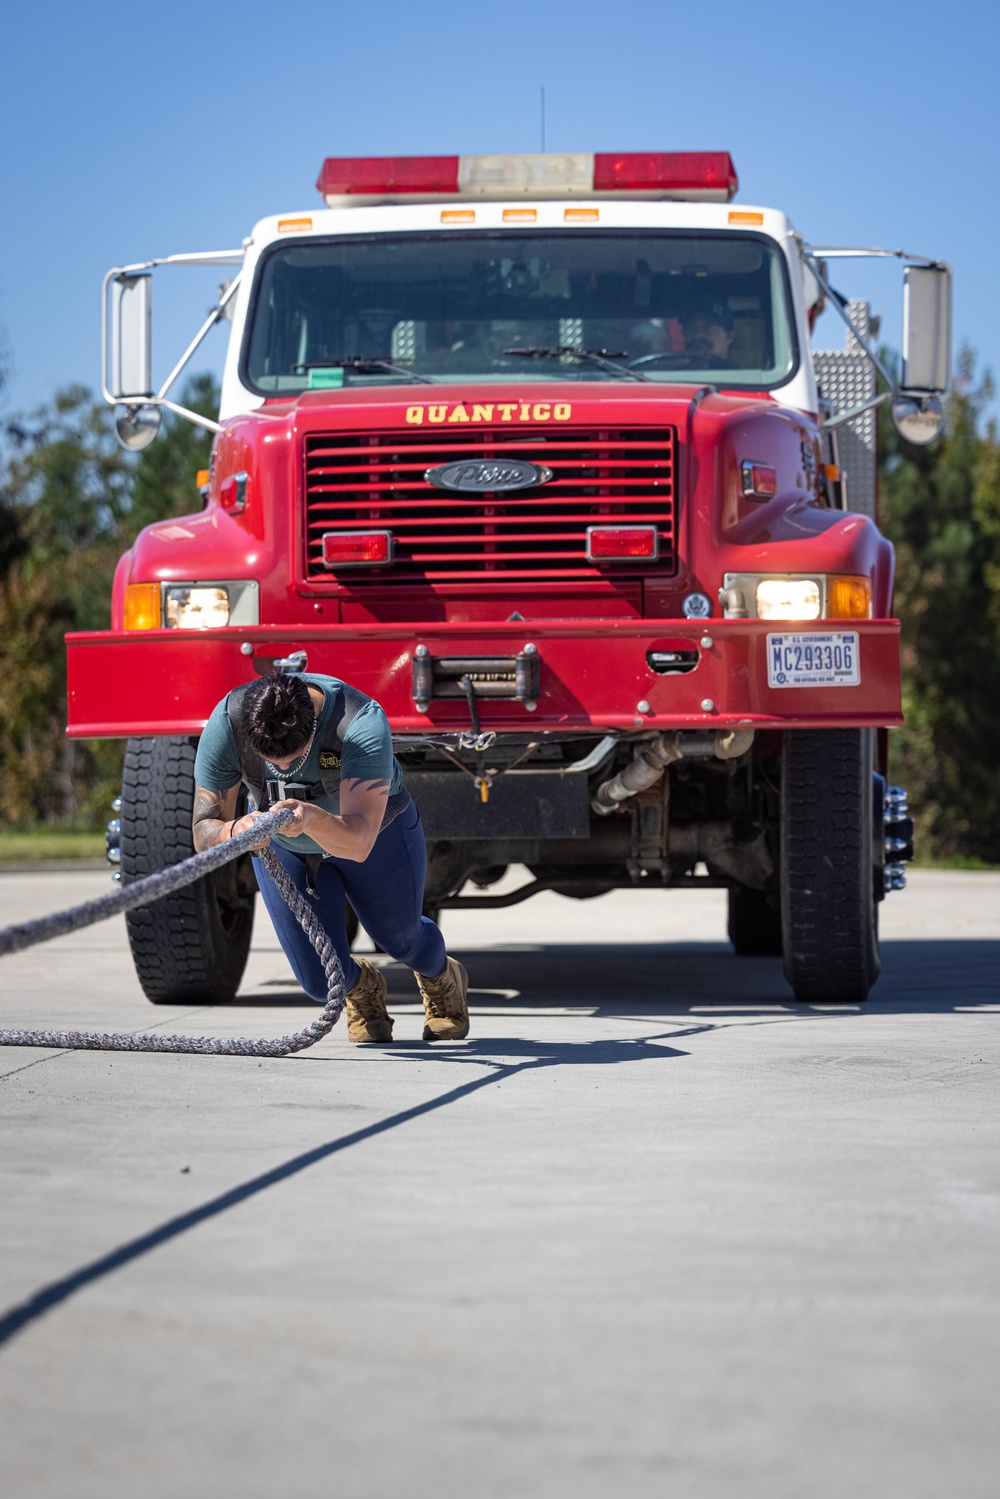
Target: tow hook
column 477, row 740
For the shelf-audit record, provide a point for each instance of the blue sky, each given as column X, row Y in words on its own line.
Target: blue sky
column 139, row 131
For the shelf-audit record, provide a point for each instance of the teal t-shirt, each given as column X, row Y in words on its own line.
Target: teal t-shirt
column 365, row 754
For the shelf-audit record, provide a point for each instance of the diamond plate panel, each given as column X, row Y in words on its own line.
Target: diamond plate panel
column 846, row 378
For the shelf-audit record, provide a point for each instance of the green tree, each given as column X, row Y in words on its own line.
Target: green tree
column 942, row 511
column 64, row 491
column 165, row 480
column 71, row 501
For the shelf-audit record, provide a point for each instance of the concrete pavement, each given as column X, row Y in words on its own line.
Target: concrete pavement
column 652, row 1230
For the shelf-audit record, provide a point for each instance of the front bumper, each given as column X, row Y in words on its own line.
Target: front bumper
column 593, row 675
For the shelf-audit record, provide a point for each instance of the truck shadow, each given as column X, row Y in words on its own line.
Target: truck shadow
column 667, row 978
column 630, row 981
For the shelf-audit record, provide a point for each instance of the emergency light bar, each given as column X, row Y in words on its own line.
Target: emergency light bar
column 358, row 181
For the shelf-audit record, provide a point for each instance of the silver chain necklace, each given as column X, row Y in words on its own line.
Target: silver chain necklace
column 291, row 770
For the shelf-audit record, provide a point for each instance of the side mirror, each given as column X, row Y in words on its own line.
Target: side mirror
column 131, row 336
column 136, row 426
column 918, row 419
column 926, row 329
column 916, row 408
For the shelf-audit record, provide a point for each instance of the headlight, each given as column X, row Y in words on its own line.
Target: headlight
column 820, row 596
column 206, row 605
column 196, row 608
column 788, row 598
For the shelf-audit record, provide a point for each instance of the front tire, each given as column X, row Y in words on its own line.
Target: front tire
column 828, row 912
column 190, row 947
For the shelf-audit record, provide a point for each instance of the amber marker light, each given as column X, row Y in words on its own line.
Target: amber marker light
column 848, row 598
column 748, row 220
column 142, row 606
column 458, row 215
column 581, row 215
column 520, row 215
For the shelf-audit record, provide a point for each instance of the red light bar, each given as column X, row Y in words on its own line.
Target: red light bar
column 686, row 173
column 357, row 548
column 374, row 176
column 622, row 543
column 760, row 481
column 350, row 181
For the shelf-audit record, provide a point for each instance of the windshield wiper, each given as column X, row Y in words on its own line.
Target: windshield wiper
column 601, row 357
column 364, row 367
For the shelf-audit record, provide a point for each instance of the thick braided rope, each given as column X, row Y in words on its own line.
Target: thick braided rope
column 14, row 938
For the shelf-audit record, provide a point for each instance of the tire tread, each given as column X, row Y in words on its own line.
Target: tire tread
column 180, row 951
column 828, row 914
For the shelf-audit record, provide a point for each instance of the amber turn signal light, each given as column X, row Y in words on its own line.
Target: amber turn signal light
column 142, row 606
column 848, row 598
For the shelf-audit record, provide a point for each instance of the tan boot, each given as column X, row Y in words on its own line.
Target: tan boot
column 367, row 1017
column 446, row 1013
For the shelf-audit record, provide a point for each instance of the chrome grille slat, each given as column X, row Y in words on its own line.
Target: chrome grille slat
column 601, row 476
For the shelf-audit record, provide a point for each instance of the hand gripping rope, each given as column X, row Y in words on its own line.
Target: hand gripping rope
column 127, row 897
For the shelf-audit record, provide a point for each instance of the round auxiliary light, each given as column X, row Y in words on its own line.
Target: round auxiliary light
column 918, row 419
column 136, row 426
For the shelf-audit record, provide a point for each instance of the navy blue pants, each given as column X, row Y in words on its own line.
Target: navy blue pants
column 386, row 891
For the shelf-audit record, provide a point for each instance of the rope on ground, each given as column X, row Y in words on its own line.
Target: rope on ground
column 153, row 887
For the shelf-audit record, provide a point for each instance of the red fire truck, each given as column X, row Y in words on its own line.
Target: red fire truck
column 536, row 451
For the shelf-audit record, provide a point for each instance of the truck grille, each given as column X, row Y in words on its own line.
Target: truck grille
column 375, row 480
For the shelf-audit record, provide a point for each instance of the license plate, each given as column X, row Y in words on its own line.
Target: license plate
column 814, row 660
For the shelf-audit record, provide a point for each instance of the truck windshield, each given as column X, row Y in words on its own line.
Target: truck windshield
column 676, row 307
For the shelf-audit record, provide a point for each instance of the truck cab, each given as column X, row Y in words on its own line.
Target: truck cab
column 537, row 452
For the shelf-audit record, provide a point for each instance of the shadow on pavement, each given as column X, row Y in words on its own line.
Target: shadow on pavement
column 534, row 1055
column 641, row 981
column 664, row 978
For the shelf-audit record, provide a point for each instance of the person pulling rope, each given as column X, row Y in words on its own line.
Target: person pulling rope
column 316, row 746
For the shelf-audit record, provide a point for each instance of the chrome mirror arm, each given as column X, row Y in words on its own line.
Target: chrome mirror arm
column 835, row 301
column 215, row 316
column 848, row 416
column 211, row 257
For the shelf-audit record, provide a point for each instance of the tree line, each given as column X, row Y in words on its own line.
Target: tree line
column 71, row 501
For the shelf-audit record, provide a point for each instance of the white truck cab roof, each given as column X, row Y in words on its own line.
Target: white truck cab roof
column 496, row 195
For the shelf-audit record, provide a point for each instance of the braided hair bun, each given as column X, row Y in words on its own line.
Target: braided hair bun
column 278, row 716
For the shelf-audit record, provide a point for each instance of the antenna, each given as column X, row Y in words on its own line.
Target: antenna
column 542, row 120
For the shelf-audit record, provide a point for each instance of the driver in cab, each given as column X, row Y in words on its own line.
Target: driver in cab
column 709, row 333
column 700, row 339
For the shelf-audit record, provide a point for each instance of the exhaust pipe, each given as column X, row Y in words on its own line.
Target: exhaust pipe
column 652, row 758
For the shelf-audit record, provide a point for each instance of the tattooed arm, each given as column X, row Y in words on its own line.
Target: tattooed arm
column 214, row 818
column 351, row 835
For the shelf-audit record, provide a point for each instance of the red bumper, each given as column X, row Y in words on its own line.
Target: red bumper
column 593, row 675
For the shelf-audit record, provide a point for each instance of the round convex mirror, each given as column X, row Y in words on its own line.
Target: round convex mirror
column 918, row 419
column 136, row 426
